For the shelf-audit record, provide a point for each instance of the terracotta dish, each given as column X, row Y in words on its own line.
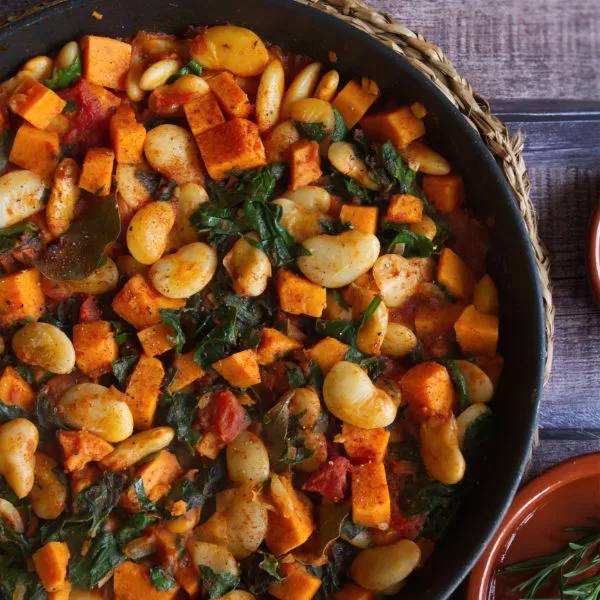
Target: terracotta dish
column 593, row 254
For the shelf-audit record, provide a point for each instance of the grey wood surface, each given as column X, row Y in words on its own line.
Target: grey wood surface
column 538, row 63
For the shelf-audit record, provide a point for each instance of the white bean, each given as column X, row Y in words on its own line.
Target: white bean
column 217, row 558
column 158, row 74
column 247, row 459
column 44, row 345
column 186, row 272
column 38, row 67
column 301, row 223
column 311, row 197
column 350, row 395
column 60, row 211
column 189, row 197
column 93, row 407
column 49, row 494
column 398, row 277
column 328, row 86
column 440, row 450
column 269, row 95
column 342, row 157
column 302, row 86
column 67, row 55
column 399, row 340
column 377, row 569
column 239, row 595
column 313, row 110
column 129, row 186
column 306, row 405
column 11, row 516
column 467, row 417
column 138, row 446
column 249, row 267
column 103, row 279
column 479, row 385
column 371, row 335
column 21, row 195
column 132, row 83
column 426, row 226
column 171, row 150
column 247, row 522
column 337, row 260
column 421, row 157
column 148, row 231
column 18, row 442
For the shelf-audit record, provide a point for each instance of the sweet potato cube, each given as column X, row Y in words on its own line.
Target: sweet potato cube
column 364, row 445
column 21, row 297
column 188, row 370
column 274, row 345
column 235, row 144
column 95, row 347
column 446, row 192
column 298, row 584
column 398, row 126
column 81, row 480
column 485, row 296
column 370, row 495
column 433, row 321
column 106, row 102
column 157, row 475
column 305, row 163
column 36, row 103
column 139, row 303
column 404, row 208
column 210, row 445
column 132, row 582
column 187, row 577
column 157, row 339
column 96, row 172
column 239, row 369
column 353, row 101
column 455, row 275
column 299, row 296
column 231, row 96
column 50, row 563
column 35, row 150
column 352, row 591
column 143, row 391
column 477, row 332
column 16, row 391
column 327, row 353
column 81, row 447
column 428, row 390
column 203, row 113
column 63, row 594
column 292, row 523
column 127, row 136
column 363, row 218
column 105, row 61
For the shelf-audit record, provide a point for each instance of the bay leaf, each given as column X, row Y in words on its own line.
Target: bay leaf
column 331, row 517
column 275, row 430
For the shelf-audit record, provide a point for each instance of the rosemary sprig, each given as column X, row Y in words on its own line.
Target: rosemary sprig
column 576, row 559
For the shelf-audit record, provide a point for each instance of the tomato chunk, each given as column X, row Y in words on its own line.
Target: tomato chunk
column 224, row 416
column 331, row 480
column 89, row 311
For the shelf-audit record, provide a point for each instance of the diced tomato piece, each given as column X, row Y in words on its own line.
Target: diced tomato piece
column 224, row 415
column 331, row 480
column 407, row 528
column 89, row 311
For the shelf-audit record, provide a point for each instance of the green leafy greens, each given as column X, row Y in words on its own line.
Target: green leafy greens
column 63, row 78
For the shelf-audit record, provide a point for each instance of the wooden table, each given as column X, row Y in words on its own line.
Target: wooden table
column 539, row 65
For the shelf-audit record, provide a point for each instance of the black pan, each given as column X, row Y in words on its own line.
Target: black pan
column 512, row 266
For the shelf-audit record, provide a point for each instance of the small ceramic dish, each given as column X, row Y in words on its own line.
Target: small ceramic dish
column 564, row 496
column 593, row 254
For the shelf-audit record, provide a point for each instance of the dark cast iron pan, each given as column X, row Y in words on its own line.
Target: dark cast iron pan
column 511, row 264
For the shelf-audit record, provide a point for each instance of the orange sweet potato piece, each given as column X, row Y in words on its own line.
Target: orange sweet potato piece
column 477, row 332
column 50, row 563
column 452, row 272
column 96, row 172
column 299, row 584
column 81, row 480
column 363, row 218
column 239, row 369
column 127, row 136
column 63, row 594
column 143, row 391
column 139, row 303
column 210, row 445
column 291, row 524
column 370, row 495
column 235, row 144
column 203, row 113
column 132, row 582
column 105, row 61
column 188, row 370
column 274, row 345
column 404, row 208
column 106, row 101
column 436, row 321
column 187, row 576
column 35, row 150
column 299, row 296
column 485, row 296
column 21, row 297
column 428, row 389
column 95, row 347
column 364, row 445
column 354, row 100
column 158, row 475
column 353, row 591
column 81, row 447
column 305, row 163
column 36, row 103
column 156, row 339
column 16, row 391
column 446, row 192
column 327, row 353
column 399, row 126
column 231, row 96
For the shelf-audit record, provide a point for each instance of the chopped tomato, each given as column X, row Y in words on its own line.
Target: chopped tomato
column 89, row 311
column 224, row 415
column 331, row 480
